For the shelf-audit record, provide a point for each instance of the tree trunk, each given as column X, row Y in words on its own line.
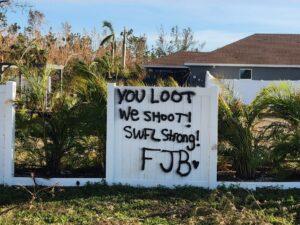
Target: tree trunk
column 124, row 49
column 113, row 53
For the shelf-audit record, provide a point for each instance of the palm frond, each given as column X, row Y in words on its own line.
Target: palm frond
column 106, row 39
column 108, row 25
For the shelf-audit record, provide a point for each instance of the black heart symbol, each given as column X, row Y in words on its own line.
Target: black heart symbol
column 195, row 163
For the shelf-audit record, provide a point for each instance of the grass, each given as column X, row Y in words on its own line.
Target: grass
column 100, row 204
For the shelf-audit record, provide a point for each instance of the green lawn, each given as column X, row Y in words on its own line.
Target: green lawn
column 100, row 204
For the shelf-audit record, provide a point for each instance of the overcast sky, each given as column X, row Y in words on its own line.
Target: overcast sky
column 215, row 22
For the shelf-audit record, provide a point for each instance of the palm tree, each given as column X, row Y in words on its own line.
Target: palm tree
column 239, row 136
column 281, row 103
column 54, row 122
column 110, row 38
column 91, row 89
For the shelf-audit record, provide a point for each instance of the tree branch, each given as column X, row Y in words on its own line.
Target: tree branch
column 4, row 2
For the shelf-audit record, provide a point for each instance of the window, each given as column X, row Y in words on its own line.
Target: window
column 245, row 73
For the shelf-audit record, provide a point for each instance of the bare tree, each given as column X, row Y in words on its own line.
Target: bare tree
column 138, row 49
column 66, row 29
column 5, row 3
column 176, row 40
column 162, row 45
column 35, row 20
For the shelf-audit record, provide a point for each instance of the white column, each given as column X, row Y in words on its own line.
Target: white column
column 213, row 155
column 2, row 94
column 9, row 132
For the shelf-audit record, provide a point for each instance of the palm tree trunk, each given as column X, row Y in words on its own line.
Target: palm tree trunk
column 113, row 53
column 124, row 49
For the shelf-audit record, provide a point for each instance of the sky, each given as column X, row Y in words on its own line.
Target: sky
column 215, row 22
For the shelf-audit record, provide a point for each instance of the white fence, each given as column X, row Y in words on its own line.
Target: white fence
column 162, row 136
column 7, row 142
column 124, row 161
column 247, row 90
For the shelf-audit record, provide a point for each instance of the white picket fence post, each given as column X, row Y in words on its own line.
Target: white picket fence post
column 213, row 157
column 7, row 136
column 110, row 126
column 2, row 134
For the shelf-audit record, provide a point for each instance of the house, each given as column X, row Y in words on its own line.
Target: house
column 256, row 57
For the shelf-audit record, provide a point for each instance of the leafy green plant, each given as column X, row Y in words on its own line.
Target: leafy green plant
column 54, row 118
column 62, row 127
column 281, row 104
column 91, row 89
column 167, row 82
column 239, row 136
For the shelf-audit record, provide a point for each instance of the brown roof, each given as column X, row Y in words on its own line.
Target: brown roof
column 270, row 49
column 176, row 59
